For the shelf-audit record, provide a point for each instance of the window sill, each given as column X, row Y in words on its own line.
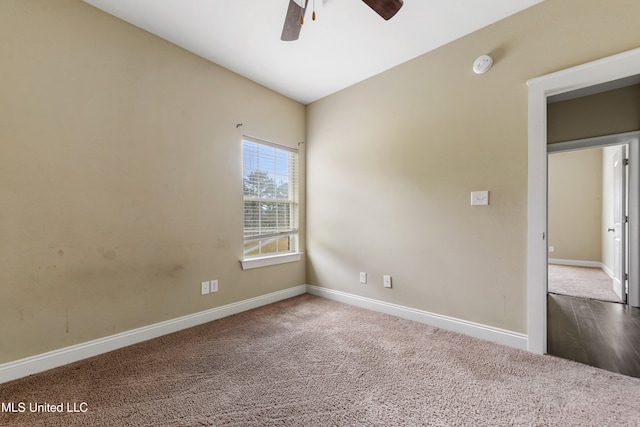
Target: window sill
column 248, row 264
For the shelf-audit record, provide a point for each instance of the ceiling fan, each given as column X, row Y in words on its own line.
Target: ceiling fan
column 295, row 14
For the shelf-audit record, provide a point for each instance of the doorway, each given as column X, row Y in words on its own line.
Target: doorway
column 587, row 212
column 584, row 77
column 588, row 320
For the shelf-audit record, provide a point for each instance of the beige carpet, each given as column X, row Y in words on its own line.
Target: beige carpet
column 583, row 282
column 308, row 361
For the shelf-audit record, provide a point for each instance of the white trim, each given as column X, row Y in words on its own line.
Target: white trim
column 477, row 330
column 595, row 142
column 580, row 263
column 42, row 362
column 248, row 264
column 633, row 207
column 615, row 67
column 53, row 359
column 269, row 143
column 576, row 263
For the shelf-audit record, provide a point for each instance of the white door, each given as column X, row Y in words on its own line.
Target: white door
column 619, row 223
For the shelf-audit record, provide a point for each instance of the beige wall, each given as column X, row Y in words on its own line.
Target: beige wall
column 120, row 177
column 120, row 172
column 611, row 112
column 575, row 205
column 606, row 113
column 392, row 161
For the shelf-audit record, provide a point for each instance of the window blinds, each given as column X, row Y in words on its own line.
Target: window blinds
column 270, row 185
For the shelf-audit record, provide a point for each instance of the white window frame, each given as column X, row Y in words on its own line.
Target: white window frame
column 292, row 254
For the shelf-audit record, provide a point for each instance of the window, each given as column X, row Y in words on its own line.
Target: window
column 270, row 182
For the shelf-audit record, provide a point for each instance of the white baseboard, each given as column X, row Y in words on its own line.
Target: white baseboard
column 579, row 263
column 607, row 271
column 53, row 359
column 575, row 262
column 477, row 330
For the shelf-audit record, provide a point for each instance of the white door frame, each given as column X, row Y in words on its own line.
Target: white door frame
column 612, row 68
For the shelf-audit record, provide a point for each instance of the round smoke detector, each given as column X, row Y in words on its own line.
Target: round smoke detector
column 482, row 64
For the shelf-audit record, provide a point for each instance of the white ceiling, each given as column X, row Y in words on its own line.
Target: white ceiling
column 347, row 43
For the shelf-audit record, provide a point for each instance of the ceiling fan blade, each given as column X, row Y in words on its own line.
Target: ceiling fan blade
column 292, row 22
column 385, row 8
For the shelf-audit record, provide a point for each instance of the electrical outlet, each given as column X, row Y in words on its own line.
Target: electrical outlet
column 386, row 280
column 205, row 288
column 214, row 286
column 551, row 249
column 363, row 277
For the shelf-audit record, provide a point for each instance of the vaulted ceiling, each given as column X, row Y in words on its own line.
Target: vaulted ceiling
column 348, row 42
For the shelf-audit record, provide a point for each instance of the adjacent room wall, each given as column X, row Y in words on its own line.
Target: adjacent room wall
column 120, row 177
column 606, row 113
column 392, row 162
column 575, row 205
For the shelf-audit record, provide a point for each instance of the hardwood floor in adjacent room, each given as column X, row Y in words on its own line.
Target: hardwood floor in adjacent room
column 596, row 333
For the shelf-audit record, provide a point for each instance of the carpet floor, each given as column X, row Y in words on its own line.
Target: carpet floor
column 309, row 361
column 582, row 282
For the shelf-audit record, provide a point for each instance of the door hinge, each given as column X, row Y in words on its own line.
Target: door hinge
column 625, row 162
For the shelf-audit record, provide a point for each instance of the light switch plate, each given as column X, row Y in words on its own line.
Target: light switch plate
column 479, row 198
